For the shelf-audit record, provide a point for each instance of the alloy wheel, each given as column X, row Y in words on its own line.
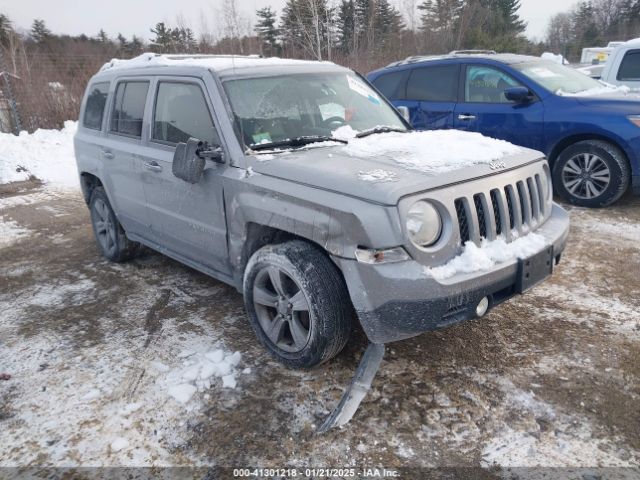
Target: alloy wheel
column 104, row 226
column 586, row 176
column 282, row 309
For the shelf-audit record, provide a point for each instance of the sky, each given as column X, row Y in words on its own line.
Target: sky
column 135, row 17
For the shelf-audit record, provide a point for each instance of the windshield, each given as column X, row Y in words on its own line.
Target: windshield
column 557, row 78
column 276, row 109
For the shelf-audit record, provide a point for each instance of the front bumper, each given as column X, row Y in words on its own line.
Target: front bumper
column 399, row 300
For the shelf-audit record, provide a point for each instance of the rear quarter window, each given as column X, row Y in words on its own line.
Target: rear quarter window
column 630, row 66
column 128, row 109
column 434, row 84
column 392, row 85
column 94, row 109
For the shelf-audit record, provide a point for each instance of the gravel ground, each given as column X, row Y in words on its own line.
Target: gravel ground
column 94, row 350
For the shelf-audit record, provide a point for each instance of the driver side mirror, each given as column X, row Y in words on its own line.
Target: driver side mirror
column 518, row 94
column 404, row 111
column 189, row 159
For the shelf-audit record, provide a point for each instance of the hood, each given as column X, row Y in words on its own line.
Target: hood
column 386, row 176
column 617, row 101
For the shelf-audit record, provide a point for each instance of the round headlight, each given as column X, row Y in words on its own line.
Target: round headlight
column 423, row 224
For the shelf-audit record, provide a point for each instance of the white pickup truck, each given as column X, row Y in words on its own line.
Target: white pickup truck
column 623, row 65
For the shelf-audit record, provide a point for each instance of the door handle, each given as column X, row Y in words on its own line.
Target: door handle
column 107, row 154
column 153, row 166
column 466, row 117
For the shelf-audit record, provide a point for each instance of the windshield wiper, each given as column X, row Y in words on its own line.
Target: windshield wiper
column 296, row 142
column 381, row 129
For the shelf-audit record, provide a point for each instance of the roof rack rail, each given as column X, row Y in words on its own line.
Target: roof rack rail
column 473, row 52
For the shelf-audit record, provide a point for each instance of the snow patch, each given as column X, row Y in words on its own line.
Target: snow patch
column 378, row 175
column 345, row 132
column 45, row 154
column 198, row 371
column 488, row 254
column 119, row 444
column 217, row 63
column 605, row 89
column 182, row 393
column 11, row 232
column 435, row 151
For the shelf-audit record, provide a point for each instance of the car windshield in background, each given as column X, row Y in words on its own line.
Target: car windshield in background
column 304, row 107
column 557, row 78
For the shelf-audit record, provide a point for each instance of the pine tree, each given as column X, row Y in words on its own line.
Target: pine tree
column 346, row 26
column 6, row 30
column 136, row 46
column 102, row 37
column 442, row 20
column 585, row 28
column 267, row 31
column 364, row 24
column 307, row 26
column 39, row 31
column 511, row 21
column 387, row 23
column 163, row 41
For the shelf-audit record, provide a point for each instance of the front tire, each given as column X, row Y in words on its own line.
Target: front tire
column 110, row 236
column 591, row 173
column 297, row 303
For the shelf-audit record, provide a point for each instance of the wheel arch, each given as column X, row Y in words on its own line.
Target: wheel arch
column 566, row 142
column 88, row 182
column 258, row 235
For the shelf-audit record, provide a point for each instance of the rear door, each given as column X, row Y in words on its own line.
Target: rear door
column 186, row 219
column 120, row 152
column 484, row 108
column 431, row 96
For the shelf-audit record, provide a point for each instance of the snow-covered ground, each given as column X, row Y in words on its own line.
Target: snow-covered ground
column 45, row 154
column 151, row 363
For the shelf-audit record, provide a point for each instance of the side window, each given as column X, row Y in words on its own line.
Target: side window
column 487, row 85
column 128, row 109
column 630, row 66
column 180, row 113
column 433, row 84
column 391, row 85
column 94, row 110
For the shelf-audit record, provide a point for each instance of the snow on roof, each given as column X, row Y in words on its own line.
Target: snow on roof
column 214, row 62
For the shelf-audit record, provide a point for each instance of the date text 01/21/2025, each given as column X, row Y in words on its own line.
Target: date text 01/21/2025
column 316, row 473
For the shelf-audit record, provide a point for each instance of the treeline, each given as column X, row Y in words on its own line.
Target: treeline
column 45, row 74
column 593, row 24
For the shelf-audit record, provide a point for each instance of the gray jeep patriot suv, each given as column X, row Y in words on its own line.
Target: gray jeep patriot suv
column 300, row 185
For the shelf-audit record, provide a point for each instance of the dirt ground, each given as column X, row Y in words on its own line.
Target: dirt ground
column 548, row 379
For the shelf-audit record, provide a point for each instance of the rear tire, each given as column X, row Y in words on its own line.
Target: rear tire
column 591, row 173
column 297, row 303
column 110, row 236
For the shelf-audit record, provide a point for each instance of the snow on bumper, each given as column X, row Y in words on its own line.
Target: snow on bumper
column 400, row 300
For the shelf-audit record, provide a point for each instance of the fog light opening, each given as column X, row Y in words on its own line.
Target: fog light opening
column 482, row 307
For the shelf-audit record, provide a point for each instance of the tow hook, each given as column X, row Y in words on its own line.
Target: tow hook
column 357, row 390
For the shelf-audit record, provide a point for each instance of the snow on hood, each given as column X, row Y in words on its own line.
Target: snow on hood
column 605, row 89
column 434, row 151
column 45, row 154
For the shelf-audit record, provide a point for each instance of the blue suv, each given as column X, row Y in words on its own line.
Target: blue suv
column 589, row 132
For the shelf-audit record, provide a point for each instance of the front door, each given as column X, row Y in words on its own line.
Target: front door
column 485, row 109
column 187, row 219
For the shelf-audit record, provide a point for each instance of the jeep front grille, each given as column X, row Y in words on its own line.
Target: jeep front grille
column 516, row 209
